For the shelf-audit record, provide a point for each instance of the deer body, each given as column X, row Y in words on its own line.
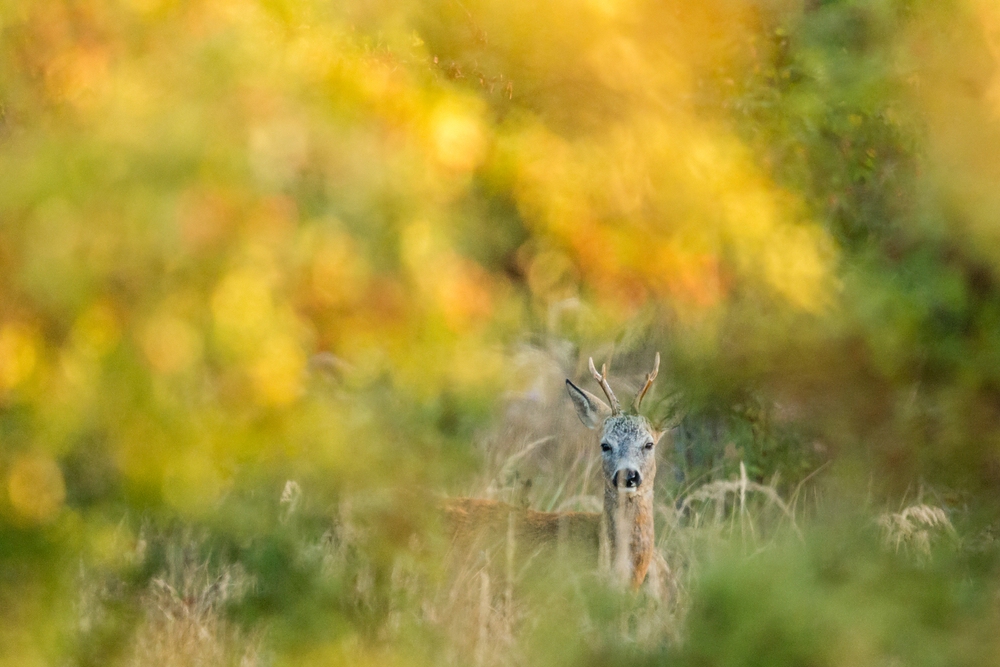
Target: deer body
column 532, row 530
column 626, row 525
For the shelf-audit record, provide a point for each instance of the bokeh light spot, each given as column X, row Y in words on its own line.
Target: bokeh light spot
column 36, row 488
column 277, row 371
column 458, row 138
column 18, row 355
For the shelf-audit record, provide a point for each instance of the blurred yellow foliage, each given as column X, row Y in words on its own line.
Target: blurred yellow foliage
column 277, row 370
column 202, row 198
column 171, row 345
column 338, row 273
column 243, row 309
column 36, row 488
column 457, row 137
column 192, row 481
column 18, row 355
column 97, row 330
column 662, row 202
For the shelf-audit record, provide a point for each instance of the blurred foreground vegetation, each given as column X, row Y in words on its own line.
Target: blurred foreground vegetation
column 274, row 274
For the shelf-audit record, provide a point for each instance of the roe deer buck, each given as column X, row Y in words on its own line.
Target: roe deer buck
column 623, row 533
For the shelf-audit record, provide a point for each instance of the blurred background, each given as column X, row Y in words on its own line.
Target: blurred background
column 278, row 275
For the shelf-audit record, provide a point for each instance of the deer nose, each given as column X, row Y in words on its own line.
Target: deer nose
column 628, row 478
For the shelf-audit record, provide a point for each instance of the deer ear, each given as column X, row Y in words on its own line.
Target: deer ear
column 591, row 410
column 661, row 429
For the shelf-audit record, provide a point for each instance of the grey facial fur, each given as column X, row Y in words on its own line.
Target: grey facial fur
column 632, row 443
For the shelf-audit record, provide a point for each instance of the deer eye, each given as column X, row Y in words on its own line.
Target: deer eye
column 648, row 446
column 605, row 447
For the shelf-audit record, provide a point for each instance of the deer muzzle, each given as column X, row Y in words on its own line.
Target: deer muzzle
column 627, row 479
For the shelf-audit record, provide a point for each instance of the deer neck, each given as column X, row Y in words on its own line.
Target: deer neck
column 629, row 520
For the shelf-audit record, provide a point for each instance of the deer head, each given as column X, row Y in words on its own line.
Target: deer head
column 628, row 440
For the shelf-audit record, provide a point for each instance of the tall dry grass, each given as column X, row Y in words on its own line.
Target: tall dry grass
column 184, row 625
column 488, row 606
column 178, row 619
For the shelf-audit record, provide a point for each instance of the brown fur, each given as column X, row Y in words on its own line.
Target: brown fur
column 480, row 523
column 636, row 514
column 472, row 518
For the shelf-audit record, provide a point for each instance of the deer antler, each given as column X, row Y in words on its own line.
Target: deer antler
column 649, row 383
column 602, row 379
